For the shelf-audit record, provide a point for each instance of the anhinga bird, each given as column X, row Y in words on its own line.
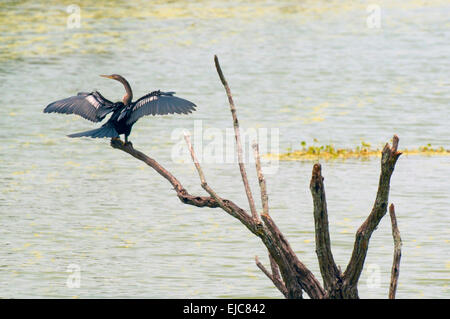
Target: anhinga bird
column 94, row 107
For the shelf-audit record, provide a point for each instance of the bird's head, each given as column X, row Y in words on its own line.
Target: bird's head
column 116, row 77
column 129, row 95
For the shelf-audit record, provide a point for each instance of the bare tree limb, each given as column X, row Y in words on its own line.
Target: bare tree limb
column 295, row 275
column 182, row 193
column 395, row 272
column 294, row 272
column 274, row 267
column 328, row 269
column 226, row 205
column 274, row 277
column 353, row 271
column 237, row 135
column 261, row 180
column 205, row 186
column 288, row 273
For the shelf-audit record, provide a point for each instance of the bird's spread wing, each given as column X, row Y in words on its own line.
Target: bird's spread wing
column 159, row 103
column 92, row 106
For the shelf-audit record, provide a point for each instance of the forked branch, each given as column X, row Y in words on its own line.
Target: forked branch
column 274, row 276
column 389, row 157
column 288, row 273
column 237, row 136
column 182, row 193
column 296, row 276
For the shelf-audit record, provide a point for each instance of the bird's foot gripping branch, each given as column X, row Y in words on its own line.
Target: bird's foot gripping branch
column 289, row 275
column 116, row 142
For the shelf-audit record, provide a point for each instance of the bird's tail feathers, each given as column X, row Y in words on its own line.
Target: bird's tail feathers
column 104, row 131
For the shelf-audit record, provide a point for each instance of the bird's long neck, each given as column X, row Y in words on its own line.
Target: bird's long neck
column 129, row 95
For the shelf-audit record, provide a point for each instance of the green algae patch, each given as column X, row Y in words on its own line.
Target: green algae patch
column 363, row 151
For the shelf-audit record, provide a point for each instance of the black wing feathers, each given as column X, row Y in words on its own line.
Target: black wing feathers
column 92, row 106
column 159, row 103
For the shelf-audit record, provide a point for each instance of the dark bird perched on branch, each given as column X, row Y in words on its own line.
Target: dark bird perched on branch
column 94, row 107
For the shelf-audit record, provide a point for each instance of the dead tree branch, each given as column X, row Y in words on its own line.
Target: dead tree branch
column 233, row 210
column 261, row 180
column 330, row 272
column 237, row 135
column 182, row 193
column 295, row 274
column 288, row 273
column 353, row 271
column 395, row 272
column 274, row 276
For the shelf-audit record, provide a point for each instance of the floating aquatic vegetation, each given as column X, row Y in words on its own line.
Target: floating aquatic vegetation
column 364, row 151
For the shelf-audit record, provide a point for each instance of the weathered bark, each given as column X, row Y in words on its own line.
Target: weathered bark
column 274, row 276
column 261, row 180
column 353, row 271
column 295, row 275
column 331, row 275
column 237, row 136
column 289, row 275
column 395, row 272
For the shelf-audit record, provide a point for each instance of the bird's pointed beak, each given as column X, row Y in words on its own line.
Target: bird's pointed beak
column 106, row 76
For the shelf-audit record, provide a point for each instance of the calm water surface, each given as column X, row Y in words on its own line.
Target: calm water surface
column 312, row 69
